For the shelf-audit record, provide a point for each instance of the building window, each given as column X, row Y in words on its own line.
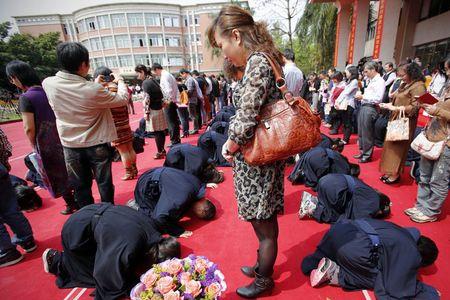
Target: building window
column 86, row 44
column 196, row 38
column 111, row 62
column 91, row 23
column 433, row 53
column 99, row 62
column 138, row 40
column 171, row 21
column 200, row 58
column 125, row 61
column 197, row 19
column 186, row 41
column 107, row 42
column 158, row 58
column 96, row 44
column 432, row 8
column 186, row 22
column 371, row 30
column 65, row 29
column 81, row 26
column 118, row 20
column 135, row 20
column 76, row 29
column 152, row 20
column 172, row 41
column 103, row 22
column 122, row 41
column 176, row 60
column 142, row 59
column 156, row 40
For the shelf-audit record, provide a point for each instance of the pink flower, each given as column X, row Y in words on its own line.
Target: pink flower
column 171, row 295
column 185, row 278
column 194, row 288
column 149, row 279
column 165, row 285
column 213, row 290
column 174, row 267
column 201, row 265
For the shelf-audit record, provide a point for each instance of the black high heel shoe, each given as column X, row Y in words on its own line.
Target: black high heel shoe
column 390, row 181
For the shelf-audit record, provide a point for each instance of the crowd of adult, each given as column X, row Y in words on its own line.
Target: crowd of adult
column 72, row 124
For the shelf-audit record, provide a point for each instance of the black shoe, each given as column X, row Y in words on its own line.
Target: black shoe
column 69, row 210
column 248, row 271
column 193, row 132
column 47, row 259
column 10, row 258
column 29, row 246
column 357, row 156
column 365, row 160
column 258, row 287
column 333, row 132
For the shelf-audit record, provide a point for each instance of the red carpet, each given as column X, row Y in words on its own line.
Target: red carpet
column 226, row 240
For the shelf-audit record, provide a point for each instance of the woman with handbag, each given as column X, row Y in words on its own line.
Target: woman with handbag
column 434, row 171
column 259, row 189
column 404, row 103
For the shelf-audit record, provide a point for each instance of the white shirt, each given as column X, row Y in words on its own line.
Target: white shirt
column 390, row 79
column 209, row 87
column 294, row 78
column 349, row 92
column 374, row 92
column 436, row 85
column 169, row 86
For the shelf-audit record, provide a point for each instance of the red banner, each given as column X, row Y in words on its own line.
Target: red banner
column 351, row 40
column 379, row 30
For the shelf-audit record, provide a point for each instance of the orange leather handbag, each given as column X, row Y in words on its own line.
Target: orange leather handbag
column 285, row 127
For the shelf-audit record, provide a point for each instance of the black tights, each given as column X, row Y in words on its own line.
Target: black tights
column 267, row 233
column 160, row 139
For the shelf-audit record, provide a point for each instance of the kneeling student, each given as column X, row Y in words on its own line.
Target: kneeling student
column 343, row 196
column 107, row 247
column 165, row 195
column 376, row 255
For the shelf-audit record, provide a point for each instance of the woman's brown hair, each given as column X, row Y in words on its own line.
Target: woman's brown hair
column 254, row 35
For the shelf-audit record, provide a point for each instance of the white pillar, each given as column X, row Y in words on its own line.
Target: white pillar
column 361, row 8
column 342, row 35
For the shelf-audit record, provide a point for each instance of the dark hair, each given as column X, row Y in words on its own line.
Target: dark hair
column 185, row 71
column 141, row 68
column 210, row 174
column 414, row 72
column 23, row 72
column 324, row 73
column 179, row 79
column 338, row 76
column 105, row 71
column 195, row 73
column 355, row 170
column 337, row 145
column 428, row 250
column 289, row 54
column 156, row 66
column 384, row 205
column 390, row 64
column 254, row 35
column 332, row 69
column 27, row 198
column 204, row 209
column 168, row 248
column 71, row 55
column 353, row 73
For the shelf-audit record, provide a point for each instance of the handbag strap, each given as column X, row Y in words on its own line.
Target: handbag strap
column 279, row 80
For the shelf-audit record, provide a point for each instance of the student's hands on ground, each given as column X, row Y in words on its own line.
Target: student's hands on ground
column 211, row 185
column 186, row 234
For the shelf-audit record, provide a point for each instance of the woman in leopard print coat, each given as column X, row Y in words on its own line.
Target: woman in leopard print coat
column 259, row 189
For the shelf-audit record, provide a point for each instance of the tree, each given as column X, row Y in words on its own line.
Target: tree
column 5, row 27
column 287, row 11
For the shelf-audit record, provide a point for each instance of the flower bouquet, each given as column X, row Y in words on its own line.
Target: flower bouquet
column 194, row 277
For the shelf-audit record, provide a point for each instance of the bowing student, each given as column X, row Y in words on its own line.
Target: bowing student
column 195, row 161
column 212, row 142
column 165, row 195
column 107, row 247
column 343, row 196
column 375, row 255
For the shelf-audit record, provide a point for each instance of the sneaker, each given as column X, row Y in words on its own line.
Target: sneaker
column 307, row 206
column 411, row 211
column 10, row 258
column 325, row 272
column 47, row 259
column 68, row 210
column 29, row 246
column 420, row 217
column 132, row 203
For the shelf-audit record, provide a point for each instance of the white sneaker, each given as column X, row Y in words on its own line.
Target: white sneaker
column 420, row 217
column 411, row 211
column 308, row 205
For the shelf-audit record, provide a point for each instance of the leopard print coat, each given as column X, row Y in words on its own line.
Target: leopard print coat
column 259, row 189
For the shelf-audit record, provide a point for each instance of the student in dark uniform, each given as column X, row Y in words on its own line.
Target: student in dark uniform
column 319, row 162
column 107, row 247
column 165, row 195
column 195, row 161
column 212, row 142
column 376, row 255
column 220, row 127
column 343, row 196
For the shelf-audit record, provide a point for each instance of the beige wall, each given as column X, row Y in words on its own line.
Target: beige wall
column 36, row 30
column 209, row 63
column 433, row 29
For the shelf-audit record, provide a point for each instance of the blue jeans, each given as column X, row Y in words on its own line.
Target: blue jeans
column 183, row 114
column 11, row 215
column 85, row 163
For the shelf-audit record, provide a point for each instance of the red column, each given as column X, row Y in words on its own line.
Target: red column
column 336, row 43
column 351, row 40
column 379, row 29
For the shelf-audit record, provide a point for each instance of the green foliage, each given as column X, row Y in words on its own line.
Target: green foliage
column 39, row 52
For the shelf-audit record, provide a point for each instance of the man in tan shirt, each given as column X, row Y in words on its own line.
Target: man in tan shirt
column 84, row 121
